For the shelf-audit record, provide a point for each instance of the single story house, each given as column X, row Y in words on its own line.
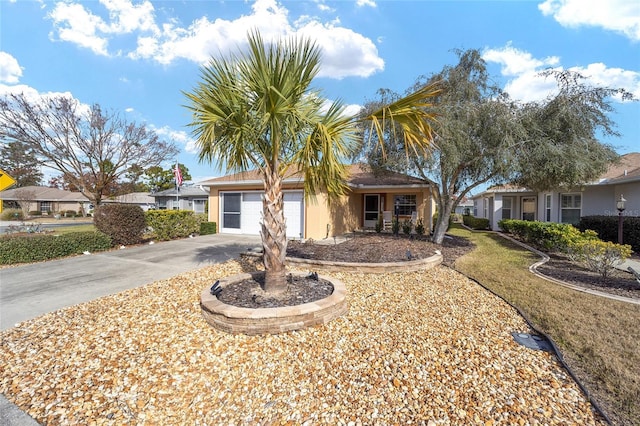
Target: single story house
column 566, row 205
column 141, row 199
column 235, row 203
column 44, row 199
column 185, row 198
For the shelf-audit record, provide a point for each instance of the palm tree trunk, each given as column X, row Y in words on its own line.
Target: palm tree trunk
column 274, row 237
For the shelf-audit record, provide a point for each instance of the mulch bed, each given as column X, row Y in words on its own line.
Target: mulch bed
column 377, row 248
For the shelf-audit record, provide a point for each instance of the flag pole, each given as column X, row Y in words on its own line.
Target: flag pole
column 175, row 175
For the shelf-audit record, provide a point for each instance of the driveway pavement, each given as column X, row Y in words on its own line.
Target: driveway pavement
column 32, row 290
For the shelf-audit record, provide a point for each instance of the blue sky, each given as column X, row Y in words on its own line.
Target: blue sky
column 137, row 57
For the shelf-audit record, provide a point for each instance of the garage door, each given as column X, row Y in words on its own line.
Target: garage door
column 241, row 213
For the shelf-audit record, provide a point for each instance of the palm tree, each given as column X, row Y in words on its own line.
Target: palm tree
column 257, row 110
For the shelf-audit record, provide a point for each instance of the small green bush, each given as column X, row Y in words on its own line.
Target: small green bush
column 170, row 224
column 379, row 225
column 70, row 213
column 475, row 222
column 407, row 226
column 601, row 256
column 420, row 227
column 207, row 228
column 35, row 213
column 124, row 223
column 39, row 247
column 395, row 227
column 12, row 214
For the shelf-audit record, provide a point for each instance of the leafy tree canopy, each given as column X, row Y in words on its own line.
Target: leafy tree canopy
column 19, row 161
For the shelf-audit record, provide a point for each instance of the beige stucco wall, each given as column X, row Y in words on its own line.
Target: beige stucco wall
column 322, row 220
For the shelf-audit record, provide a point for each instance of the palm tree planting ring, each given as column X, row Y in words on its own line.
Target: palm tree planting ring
column 238, row 320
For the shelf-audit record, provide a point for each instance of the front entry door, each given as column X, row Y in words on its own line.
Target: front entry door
column 529, row 208
column 371, row 210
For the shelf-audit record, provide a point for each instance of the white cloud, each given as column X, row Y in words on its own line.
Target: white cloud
column 526, row 84
column 515, row 61
column 345, row 52
column 362, row 3
column 622, row 16
column 179, row 137
column 10, row 70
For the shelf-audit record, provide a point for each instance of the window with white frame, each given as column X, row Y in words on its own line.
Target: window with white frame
column 45, row 206
column 547, row 208
column 406, row 204
column 570, row 206
column 507, row 203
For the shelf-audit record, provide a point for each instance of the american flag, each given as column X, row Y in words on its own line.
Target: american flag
column 178, row 175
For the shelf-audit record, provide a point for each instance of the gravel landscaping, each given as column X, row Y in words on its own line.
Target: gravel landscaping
column 416, row 348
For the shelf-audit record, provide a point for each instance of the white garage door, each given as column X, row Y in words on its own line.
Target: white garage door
column 241, row 213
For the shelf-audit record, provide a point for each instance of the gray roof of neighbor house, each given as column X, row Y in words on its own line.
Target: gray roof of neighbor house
column 359, row 176
column 42, row 193
column 185, row 191
column 133, row 198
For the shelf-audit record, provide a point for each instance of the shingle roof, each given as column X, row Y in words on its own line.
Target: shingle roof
column 43, row 193
column 186, row 191
column 627, row 168
column 359, row 175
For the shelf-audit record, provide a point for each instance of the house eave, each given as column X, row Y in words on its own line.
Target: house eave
column 390, row 187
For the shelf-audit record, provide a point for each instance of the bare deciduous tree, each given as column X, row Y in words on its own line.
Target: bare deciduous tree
column 90, row 147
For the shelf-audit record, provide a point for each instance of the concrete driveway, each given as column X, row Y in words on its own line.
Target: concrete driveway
column 32, row 290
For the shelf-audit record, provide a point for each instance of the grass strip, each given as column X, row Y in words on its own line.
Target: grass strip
column 599, row 338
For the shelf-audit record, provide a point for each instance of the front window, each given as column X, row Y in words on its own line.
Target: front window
column 162, row 204
column 506, row 208
column 406, row 204
column 547, row 207
column 231, row 204
column 570, row 208
column 45, row 206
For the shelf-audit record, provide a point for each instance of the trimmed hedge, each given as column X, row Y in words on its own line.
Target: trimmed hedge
column 170, row 224
column 38, row 247
column 208, row 228
column 546, row 236
column 475, row 222
column 607, row 229
column 124, row 223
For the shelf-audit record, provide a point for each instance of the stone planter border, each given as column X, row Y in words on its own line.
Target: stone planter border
column 367, row 268
column 234, row 319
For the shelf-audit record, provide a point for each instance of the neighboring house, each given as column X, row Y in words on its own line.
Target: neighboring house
column 235, row 203
column 565, row 206
column 465, row 206
column 186, row 198
column 141, row 199
column 44, row 199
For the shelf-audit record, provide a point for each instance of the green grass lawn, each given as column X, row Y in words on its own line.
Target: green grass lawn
column 73, row 228
column 599, row 338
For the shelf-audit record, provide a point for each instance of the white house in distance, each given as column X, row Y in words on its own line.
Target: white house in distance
column 192, row 198
column 565, row 206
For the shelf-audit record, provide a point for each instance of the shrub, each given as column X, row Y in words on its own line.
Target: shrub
column 420, row 227
column 601, row 256
column 475, row 222
column 70, row 213
column 171, row 224
column 207, row 228
column 38, row 247
column 379, row 225
column 395, row 227
column 546, row 236
column 407, row 226
column 12, row 214
column 124, row 223
column 35, row 213
column 607, row 229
